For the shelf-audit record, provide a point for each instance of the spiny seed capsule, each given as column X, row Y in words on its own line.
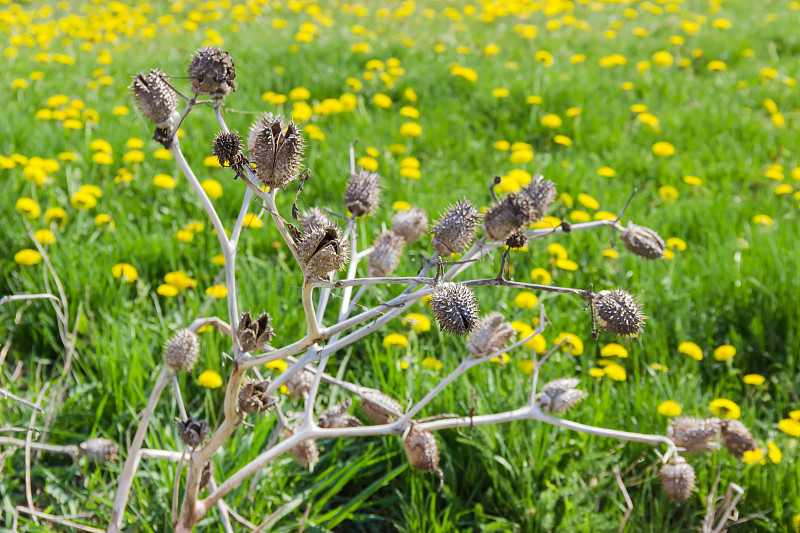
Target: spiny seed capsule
column 509, row 215
column 618, row 312
column 212, row 72
column 265, row 120
column 410, row 223
column 677, row 477
column 694, row 434
column 228, row 151
column 363, row 193
column 181, row 351
column 254, row 334
column 517, row 240
column 253, row 397
column 542, row 194
column 387, row 254
column 736, row 438
column 422, row 451
column 560, row 395
column 379, row 408
column 490, row 335
column 313, row 218
column 99, row 450
column 323, row 250
column 300, row 383
column 305, row 452
column 276, row 152
column 338, row 417
column 455, row 307
column 454, row 231
column 155, row 98
column 192, row 431
column 643, row 242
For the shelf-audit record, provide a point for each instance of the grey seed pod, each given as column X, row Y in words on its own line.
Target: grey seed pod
column 490, row 335
column 99, row 450
column 323, row 250
column 155, row 98
column 300, row 383
column 377, row 407
column 181, row 351
column 560, row 395
column 193, row 431
column 454, row 307
column 253, row 397
column 387, row 254
column 694, row 434
column 363, row 193
column 511, row 214
column 542, row 194
column 305, row 452
column 254, row 335
column 517, row 240
column 410, row 223
column 677, row 477
column 313, row 218
column 338, row 417
column 618, row 311
column 206, row 474
column 422, row 451
column 643, row 242
column 454, row 231
column 277, row 153
column 736, row 438
column 212, row 72
column 265, row 120
column 228, row 150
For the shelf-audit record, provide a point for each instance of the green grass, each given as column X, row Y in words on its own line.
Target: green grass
column 735, row 283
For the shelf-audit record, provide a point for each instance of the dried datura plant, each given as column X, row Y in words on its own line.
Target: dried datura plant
column 326, row 251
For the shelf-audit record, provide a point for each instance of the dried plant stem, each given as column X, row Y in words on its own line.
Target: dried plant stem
column 729, row 510
column 125, row 480
column 16, row 297
column 28, row 493
column 628, row 502
column 313, row 331
column 57, row 520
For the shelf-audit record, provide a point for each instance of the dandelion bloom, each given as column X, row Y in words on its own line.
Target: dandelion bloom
column 613, row 350
column 663, row 149
column 27, row 257
column 597, row 372
column 44, row 236
column 754, row 379
column 616, row 372
column 209, row 379
column 501, row 92
column 432, row 363
column 395, row 339
column 752, row 456
column 164, row 181
column 541, row 276
column 669, row 408
column 725, row 408
column 717, row 66
column 212, row 187
column 692, row 350
column 606, row 172
column 567, row 264
column 774, row 453
column 279, row 365
column 525, row 300
column 526, row 366
column 28, row 207
column 126, row 272
column 551, row 121
column 166, row 290
column 217, row 291
column 418, row 321
column 790, row 426
column 252, row 220
column 762, row 220
column 662, row 58
column 502, row 359
column 571, row 341
column 563, row 140
column 724, row 352
column 668, row 193
column 410, row 129
column 676, row 243
column 56, row 214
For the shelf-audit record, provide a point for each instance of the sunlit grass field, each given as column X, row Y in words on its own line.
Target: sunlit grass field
column 693, row 104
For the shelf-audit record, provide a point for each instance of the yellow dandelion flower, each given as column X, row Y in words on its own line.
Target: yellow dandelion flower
column 410, row 129
column 557, row 250
column 663, row 149
column 668, row 408
column 432, row 363
column 551, row 121
column 217, row 291
column 724, row 408
column 28, row 207
column 252, row 220
column 567, row 264
column 55, row 214
column 572, row 342
column 164, row 181
column 125, row 272
column 790, row 426
column 526, row 366
column 209, row 379
column 166, row 290
column 691, row 349
column 754, row 379
column 663, row 58
column 44, row 236
column 500, row 92
column 526, row 300
column 395, row 339
column 279, row 365
column 724, row 352
column 27, row 257
column 774, row 453
column 184, row 235
column 382, row 100
column 613, row 350
column 418, row 321
column 212, row 187
column 83, row 200
column 368, row 163
column 794, row 415
column 163, row 154
column 597, row 372
column 717, row 66
column 752, row 456
column 616, row 372
column 502, row 359
column 541, row 276
column 606, row 172
column 762, row 220
column 211, row 161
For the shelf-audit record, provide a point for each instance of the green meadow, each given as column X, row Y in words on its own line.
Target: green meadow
column 693, row 105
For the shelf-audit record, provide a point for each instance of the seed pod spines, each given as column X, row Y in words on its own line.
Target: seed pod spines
column 376, row 407
column 677, row 477
column 410, row 223
column 560, row 395
column 212, row 72
column 254, row 334
column 99, row 450
column 387, row 254
column 253, row 397
column 517, row 240
column 181, row 351
column 299, row 384
column 155, row 98
column 323, row 251
column 736, row 437
column 491, row 334
column 338, row 417
column 455, row 307
column 511, row 214
column 542, row 194
column 455, row 230
column 193, row 431
column 276, row 152
column 228, row 151
column 314, row 217
column 694, row 434
column 422, row 451
column 305, row 452
column 363, row 193
column 643, row 242
column 619, row 312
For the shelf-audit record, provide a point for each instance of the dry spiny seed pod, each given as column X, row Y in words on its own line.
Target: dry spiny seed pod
column 363, row 193
column 410, row 223
column 276, row 152
column 228, row 151
column 517, row 240
column 305, row 452
column 509, row 215
column 338, row 417
column 618, row 311
column 300, row 383
column 253, row 397
column 192, row 431
column 265, row 120
column 182, row 349
column 387, row 254
column 212, row 72
column 314, row 218
column 736, row 438
column 99, row 450
column 560, row 395
column 377, row 407
column 677, row 476
column 694, row 434
column 155, row 98
column 455, row 307
column 643, row 242
column 454, row 231
column 254, row 335
column 541, row 194
column 206, row 474
column 422, row 451
column 491, row 334
column 323, row 250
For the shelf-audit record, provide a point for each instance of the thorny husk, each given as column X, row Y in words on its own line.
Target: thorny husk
column 253, row 397
column 677, row 477
column 276, row 152
column 338, row 417
column 410, row 223
column 323, row 251
column 363, row 193
column 422, row 451
column 387, row 254
column 315, row 218
column 736, row 437
column 305, row 452
column 193, row 431
column 694, row 434
column 643, row 242
column 299, row 384
column 455, row 229
column 181, row 351
column 254, row 335
column 212, row 72
column 455, row 307
column 377, row 407
column 560, row 395
column 155, row 98
column 490, row 335
column 618, row 312
column 99, row 450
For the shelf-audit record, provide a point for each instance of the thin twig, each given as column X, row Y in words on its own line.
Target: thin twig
column 627, row 497
column 56, row 519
